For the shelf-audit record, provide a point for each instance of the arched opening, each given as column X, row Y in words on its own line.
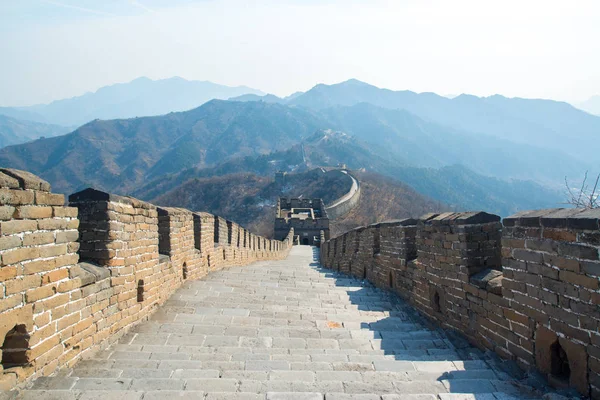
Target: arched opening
column 437, row 307
column 391, row 280
column 208, row 260
column 234, row 254
column 559, row 362
column 140, row 291
column 305, row 241
column 223, row 254
column 350, row 268
column 364, row 273
column 184, row 270
column 15, row 346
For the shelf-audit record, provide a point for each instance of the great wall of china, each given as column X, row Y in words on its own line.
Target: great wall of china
column 347, row 202
column 74, row 279
column 526, row 288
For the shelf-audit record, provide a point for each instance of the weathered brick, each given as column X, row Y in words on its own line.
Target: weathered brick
column 15, row 226
column 560, row 235
column 591, row 267
column 10, row 242
column 33, row 212
column 579, row 279
column 38, row 238
column 67, row 236
column 20, row 254
column 39, row 293
column 16, row 197
column 49, row 199
column 62, row 212
column 578, row 251
column 37, row 266
column 53, row 250
column 6, row 212
column 7, row 273
column 528, row 255
column 55, row 275
column 22, row 284
column 52, row 224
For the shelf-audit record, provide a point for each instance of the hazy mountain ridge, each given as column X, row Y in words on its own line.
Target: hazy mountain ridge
column 545, row 123
column 140, row 97
column 119, row 155
column 16, row 131
column 418, row 142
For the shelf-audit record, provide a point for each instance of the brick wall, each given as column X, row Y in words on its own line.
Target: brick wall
column 74, row 278
column 527, row 288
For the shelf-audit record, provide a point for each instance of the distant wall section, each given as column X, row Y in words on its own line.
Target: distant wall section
column 342, row 206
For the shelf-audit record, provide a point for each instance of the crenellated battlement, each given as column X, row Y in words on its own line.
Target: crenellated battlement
column 75, row 278
column 526, row 288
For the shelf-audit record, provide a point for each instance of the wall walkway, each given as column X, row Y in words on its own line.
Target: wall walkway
column 284, row 330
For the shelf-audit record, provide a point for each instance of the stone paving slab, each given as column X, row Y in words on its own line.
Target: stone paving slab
column 280, row 330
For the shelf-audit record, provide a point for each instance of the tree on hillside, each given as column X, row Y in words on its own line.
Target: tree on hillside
column 584, row 197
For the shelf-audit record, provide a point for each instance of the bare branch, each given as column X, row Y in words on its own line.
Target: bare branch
column 593, row 195
column 584, row 198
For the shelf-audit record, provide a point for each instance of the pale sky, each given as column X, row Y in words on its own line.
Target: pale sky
column 53, row 49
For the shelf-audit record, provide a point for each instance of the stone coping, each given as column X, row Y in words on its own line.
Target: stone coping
column 460, row 218
column 17, row 179
column 91, row 194
column 574, row 218
column 89, row 273
column 395, row 222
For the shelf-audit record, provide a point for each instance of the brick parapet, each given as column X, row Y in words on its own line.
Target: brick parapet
column 527, row 288
column 71, row 307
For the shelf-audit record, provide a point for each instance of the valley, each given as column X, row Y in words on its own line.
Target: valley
column 447, row 153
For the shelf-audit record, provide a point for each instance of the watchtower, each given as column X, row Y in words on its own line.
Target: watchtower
column 307, row 216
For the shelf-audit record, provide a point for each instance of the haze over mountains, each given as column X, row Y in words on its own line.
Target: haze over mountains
column 15, row 131
column 492, row 153
column 138, row 98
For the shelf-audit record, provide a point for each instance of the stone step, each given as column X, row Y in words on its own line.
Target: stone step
column 306, row 370
column 244, row 361
column 281, row 381
column 299, row 354
column 192, row 324
column 200, row 394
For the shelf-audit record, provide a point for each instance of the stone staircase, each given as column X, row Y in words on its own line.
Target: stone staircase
column 283, row 330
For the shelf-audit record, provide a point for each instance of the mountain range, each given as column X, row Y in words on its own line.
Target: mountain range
column 544, row 123
column 138, row 98
column 492, row 153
